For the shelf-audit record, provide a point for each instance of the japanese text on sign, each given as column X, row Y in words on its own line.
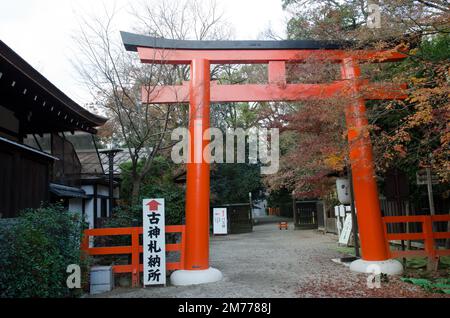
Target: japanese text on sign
column 154, row 242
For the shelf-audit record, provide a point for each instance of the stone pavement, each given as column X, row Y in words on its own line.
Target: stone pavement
column 277, row 263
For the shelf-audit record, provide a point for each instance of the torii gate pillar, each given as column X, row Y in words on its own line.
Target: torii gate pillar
column 375, row 254
column 197, row 270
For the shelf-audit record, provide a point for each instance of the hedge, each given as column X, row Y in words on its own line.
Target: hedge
column 35, row 251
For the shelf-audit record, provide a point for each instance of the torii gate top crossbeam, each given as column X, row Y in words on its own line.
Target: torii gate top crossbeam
column 159, row 50
column 133, row 41
column 274, row 53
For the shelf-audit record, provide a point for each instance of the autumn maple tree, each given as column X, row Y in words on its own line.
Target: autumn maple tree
column 407, row 135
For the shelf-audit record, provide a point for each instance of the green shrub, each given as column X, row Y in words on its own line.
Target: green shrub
column 174, row 200
column 158, row 183
column 35, row 253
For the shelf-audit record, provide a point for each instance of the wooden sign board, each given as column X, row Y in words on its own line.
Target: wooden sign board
column 346, row 230
column 220, row 221
column 154, row 242
column 421, row 177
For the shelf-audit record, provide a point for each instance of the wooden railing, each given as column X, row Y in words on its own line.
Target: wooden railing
column 135, row 249
column 427, row 235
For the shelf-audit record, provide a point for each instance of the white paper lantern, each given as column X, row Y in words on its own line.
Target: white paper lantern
column 343, row 190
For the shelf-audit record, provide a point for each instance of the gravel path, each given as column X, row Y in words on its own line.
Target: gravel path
column 274, row 263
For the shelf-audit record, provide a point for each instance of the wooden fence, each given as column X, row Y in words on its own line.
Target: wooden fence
column 135, row 249
column 425, row 233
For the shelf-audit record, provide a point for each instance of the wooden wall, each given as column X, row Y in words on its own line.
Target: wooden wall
column 24, row 179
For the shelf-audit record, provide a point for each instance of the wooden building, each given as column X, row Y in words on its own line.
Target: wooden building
column 38, row 163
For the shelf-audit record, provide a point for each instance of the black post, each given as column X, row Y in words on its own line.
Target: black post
column 251, row 208
column 294, row 210
column 352, row 208
column 111, row 153
column 111, row 182
column 398, row 204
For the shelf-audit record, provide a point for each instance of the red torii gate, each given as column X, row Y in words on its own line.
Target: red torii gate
column 200, row 93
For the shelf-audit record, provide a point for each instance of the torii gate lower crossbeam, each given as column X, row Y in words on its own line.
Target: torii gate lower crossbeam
column 200, row 93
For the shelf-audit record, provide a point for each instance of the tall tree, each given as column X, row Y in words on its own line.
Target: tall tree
column 115, row 77
column 402, row 131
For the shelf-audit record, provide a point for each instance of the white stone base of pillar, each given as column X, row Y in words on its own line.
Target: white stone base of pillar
column 389, row 267
column 195, row 277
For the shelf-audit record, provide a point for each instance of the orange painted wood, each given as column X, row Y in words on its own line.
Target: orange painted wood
column 174, row 266
column 128, row 230
column 198, row 169
column 371, row 226
column 110, row 250
column 442, row 252
column 403, row 219
column 161, row 56
column 405, row 236
column 109, row 231
column 277, row 72
column 135, row 268
column 440, row 217
column 273, row 92
column 427, row 228
column 85, row 242
column 122, row 268
column 183, row 247
column 173, row 247
column 441, row 235
column 283, row 225
column 428, row 236
column 174, row 228
column 414, row 253
column 135, row 257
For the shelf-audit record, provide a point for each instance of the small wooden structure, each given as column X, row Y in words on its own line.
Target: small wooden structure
column 283, row 225
column 306, row 214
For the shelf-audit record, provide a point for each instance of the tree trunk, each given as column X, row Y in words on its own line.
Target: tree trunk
column 136, row 186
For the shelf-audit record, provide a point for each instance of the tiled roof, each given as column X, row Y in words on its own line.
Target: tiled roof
column 91, row 164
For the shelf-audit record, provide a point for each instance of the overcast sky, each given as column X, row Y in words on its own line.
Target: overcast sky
column 41, row 31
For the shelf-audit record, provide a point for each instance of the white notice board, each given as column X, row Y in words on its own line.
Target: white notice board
column 346, row 230
column 342, row 211
column 220, row 221
column 154, row 242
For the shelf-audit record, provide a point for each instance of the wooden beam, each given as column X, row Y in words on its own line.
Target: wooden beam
column 161, row 56
column 277, row 72
column 273, row 92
